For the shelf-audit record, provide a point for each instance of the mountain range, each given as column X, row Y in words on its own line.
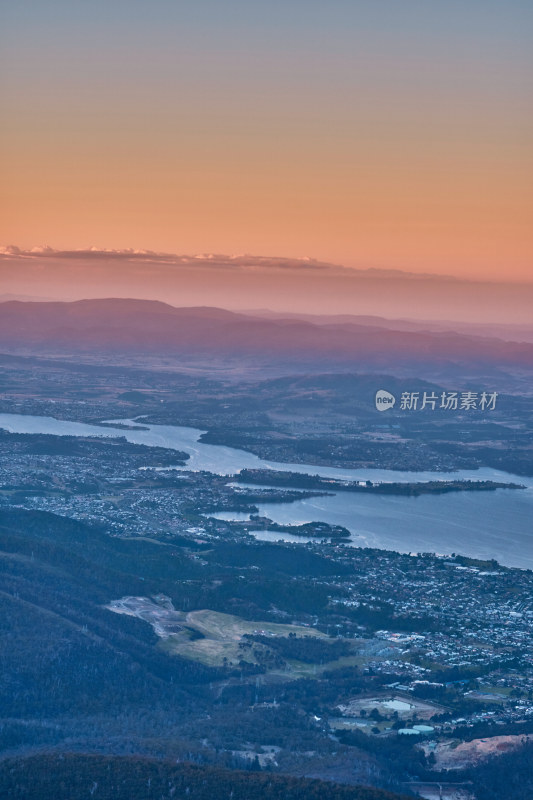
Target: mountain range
column 152, row 328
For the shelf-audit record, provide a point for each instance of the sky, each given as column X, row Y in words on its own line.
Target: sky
column 368, row 133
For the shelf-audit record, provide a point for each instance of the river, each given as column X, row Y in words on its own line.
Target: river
column 496, row 524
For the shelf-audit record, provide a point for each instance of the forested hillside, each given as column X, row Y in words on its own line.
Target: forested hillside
column 73, row 777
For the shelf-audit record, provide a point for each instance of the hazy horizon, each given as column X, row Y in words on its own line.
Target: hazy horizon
column 241, row 283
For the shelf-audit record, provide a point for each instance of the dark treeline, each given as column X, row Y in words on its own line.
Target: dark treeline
column 303, row 648
column 77, row 777
column 507, row 777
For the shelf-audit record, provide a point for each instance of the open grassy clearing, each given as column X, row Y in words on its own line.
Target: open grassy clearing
column 222, row 633
column 226, row 626
column 215, row 639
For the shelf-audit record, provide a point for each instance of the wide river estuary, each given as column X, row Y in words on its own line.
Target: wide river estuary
column 492, row 524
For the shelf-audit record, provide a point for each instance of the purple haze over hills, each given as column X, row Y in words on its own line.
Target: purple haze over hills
column 282, row 285
column 148, row 328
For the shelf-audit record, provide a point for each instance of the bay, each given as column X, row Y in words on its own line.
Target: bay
column 496, row 524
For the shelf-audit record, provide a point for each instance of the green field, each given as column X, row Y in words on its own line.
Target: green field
column 222, row 633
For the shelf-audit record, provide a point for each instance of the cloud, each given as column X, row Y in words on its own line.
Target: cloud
column 10, row 250
column 130, row 254
column 42, row 250
column 241, row 263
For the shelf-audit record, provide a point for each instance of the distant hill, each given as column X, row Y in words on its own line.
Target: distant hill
column 155, row 328
column 510, row 332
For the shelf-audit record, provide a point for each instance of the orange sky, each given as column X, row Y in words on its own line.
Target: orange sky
column 389, row 140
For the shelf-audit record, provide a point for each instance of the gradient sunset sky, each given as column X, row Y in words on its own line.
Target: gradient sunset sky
column 370, row 133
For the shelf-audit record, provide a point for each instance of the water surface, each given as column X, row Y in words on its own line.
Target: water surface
column 496, row 524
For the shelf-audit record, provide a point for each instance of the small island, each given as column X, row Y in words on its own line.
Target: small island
column 317, row 530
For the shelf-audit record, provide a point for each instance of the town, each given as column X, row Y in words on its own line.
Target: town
column 405, row 670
